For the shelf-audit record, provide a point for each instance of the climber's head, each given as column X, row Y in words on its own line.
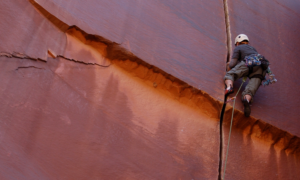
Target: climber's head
column 241, row 39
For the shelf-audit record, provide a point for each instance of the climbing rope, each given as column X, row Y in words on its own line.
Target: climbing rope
column 234, row 98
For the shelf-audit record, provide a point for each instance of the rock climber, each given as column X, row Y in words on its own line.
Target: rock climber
column 237, row 68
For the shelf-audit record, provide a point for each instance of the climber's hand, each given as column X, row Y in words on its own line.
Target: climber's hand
column 227, row 67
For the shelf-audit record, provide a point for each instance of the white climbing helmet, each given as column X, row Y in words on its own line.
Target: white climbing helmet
column 240, row 38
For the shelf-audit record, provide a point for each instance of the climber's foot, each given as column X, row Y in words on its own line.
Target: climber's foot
column 229, row 90
column 247, row 109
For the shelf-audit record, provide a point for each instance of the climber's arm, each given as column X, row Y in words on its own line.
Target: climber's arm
column 234, row 59
column 231, row 64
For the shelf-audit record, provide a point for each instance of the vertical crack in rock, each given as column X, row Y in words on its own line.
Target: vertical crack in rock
column 221, row 139
column 175, row 87
column 228, row 32
column 285, row 141
column 227, row 24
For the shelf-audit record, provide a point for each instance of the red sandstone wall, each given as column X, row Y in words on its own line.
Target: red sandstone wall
column 185, row 39
column 163, row 38
column 62, row 119
column 24, row 30
column 66, row 119
column 272, row 28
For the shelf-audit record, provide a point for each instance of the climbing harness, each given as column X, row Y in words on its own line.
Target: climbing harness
column 253, row 60
column 271, row 79
column 234, row 98
column 256, row 60
column 259, row 60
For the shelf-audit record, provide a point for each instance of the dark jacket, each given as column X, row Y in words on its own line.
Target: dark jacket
column 240, row 52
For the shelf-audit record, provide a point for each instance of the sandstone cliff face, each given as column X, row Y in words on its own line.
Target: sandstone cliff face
column 185, row 39
column 134, row 90
column 271, row 26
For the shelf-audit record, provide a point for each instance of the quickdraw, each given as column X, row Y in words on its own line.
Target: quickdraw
column 271, row 79
column 230, row 99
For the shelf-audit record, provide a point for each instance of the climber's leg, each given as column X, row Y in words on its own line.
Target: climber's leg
column 235, row 73
column 248, row 94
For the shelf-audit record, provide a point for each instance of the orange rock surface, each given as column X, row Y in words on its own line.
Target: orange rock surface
column 134, row 90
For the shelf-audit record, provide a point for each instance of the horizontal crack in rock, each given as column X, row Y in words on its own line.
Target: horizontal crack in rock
column 19, row 55
column 173, row 86
column 23, row 67
column 180, row 90
column 24, row 56
column 152, row 75
column 82, row 62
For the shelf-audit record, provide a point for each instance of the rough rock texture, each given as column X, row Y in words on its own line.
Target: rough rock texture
column 272, row 29
column 132, row 89
column 253, row 154
column 62, row 118
column 259, row 150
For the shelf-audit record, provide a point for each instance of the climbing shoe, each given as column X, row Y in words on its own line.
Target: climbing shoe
column 247, row 109
column 228, row 90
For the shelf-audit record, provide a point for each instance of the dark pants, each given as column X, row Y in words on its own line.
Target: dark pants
column 241, row 70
